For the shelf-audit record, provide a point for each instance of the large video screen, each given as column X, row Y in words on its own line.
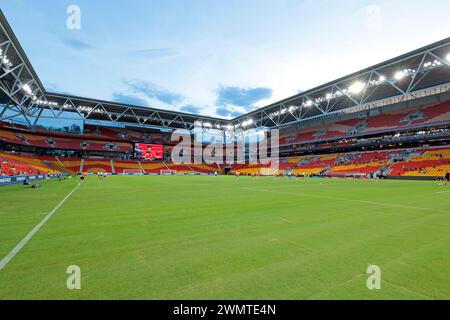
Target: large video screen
column 149, row 151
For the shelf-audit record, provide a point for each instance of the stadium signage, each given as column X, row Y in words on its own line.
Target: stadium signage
column 19, row 179
column 5, row 181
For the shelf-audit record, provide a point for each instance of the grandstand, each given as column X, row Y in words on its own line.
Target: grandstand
column 403, row 119
column 390, row 121
column 331, row 130
column 109, row 149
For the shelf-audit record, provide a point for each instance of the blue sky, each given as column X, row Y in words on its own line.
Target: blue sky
column 220, row 58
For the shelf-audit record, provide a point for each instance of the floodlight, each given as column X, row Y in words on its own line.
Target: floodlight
column 27, row 88
column 357, row 87
column 399, row 75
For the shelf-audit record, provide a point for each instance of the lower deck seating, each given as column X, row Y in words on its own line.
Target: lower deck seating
column 434, row 162
column 97, row 165
column 72, row 164
column 11, row 165
column 153, row 167
column 429, row 162
column 121, row 165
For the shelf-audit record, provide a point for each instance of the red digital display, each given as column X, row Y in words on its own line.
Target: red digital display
column 149, row 151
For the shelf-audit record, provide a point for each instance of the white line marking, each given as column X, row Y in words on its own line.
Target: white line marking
column 27, row 238
column 443, row 192
column 352, row 200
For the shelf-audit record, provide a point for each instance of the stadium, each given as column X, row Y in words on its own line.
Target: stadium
column 356, row 182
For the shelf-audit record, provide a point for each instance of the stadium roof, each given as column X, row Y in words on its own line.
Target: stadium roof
column 425, row 71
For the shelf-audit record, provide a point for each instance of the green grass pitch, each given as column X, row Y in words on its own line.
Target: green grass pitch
column 199, row 237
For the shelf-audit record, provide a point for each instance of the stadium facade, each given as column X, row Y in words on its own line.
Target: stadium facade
column 389, row 120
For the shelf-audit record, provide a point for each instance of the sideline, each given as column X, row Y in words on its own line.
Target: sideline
column 28, row 237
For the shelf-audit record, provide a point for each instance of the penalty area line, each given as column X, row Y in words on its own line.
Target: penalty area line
column 28, row 237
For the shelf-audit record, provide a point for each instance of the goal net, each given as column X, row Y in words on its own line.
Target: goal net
column 357, row 175
column 132, row 172
column 168, row 172
column 268, row 172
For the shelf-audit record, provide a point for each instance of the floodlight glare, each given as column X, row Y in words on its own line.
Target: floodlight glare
column 357, row 87
column 399, row 75
column 448, row 57
column 27, row 88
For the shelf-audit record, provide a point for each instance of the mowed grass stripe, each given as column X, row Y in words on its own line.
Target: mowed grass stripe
column 22, row 208
column 33, row 231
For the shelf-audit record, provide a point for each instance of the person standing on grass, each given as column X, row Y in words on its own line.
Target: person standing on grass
column 447, row 178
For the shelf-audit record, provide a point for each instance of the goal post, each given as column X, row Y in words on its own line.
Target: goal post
column 132, row 172
column 268, row 172
column 355, row 175
column 168, row 172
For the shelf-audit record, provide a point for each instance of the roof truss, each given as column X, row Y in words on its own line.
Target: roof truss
column 418, row 73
